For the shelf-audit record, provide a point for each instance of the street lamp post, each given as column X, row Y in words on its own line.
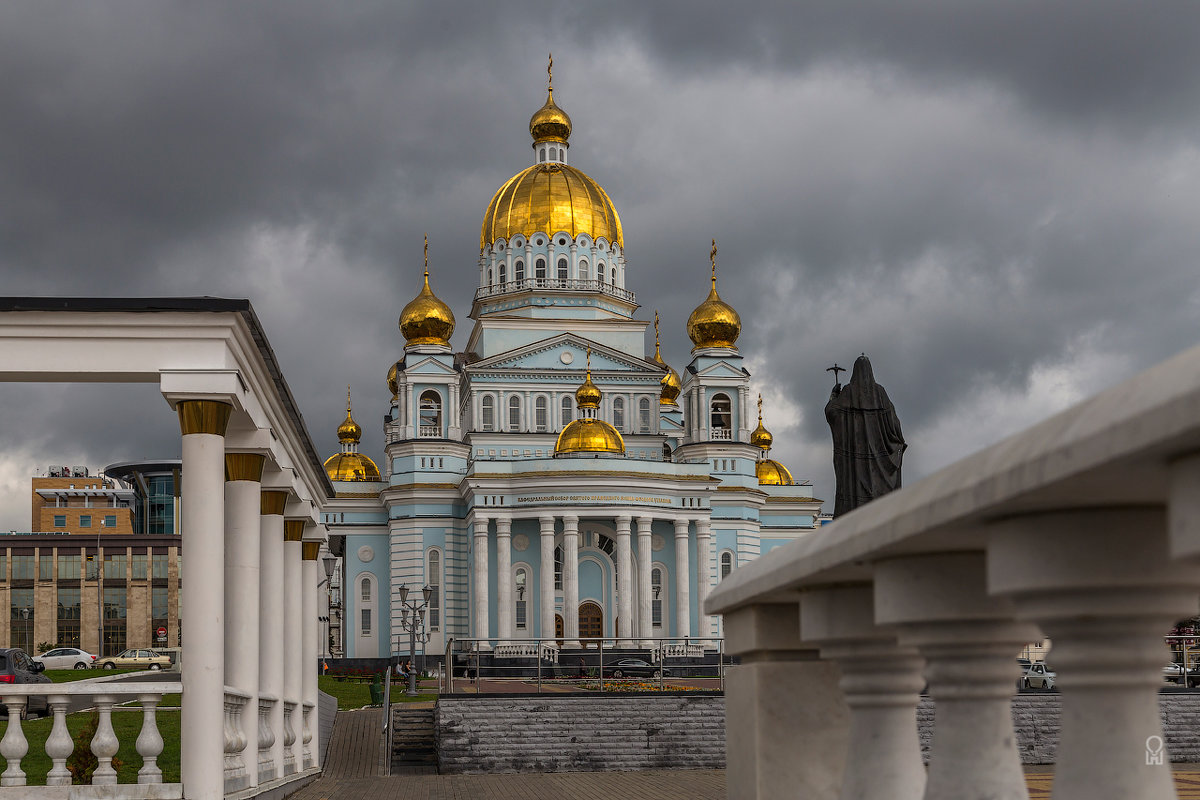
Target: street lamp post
column 328, row 562
column 412, row 619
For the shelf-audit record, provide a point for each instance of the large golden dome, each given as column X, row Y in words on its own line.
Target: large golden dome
column 589, row 435
column 426, row 319
column 714, row 323
column 351, row 467
column 550, row 198
column 772, row 473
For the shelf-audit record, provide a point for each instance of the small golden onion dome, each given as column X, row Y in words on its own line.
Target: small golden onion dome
column 589, row 435
column 426, row 319
column 670, row 386
column 393, row 386
column 349, row 430
column 351, row 467
column 550, row 198
column 550, row 123
column 714, row 323
column 761, row 437
column 772, row 473
column 588, row 395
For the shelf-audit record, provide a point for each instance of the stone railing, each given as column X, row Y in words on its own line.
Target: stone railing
column 1084, row 528
column 539, row 284
column 59, row 745
column 310, row 724
column 530, row 649
column 266, row 738
column 237, row 736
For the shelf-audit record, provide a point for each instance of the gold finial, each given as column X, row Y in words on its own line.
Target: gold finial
column 712, row 257
column 427, row 257
column 656, row 350
column 550, row 75
column 347, row 398
column 589, row 361
column 760, row 408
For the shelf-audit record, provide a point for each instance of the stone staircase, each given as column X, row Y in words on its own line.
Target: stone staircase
column 414, row 745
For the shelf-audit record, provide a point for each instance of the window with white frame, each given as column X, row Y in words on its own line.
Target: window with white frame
column 539, row 269
column 540, row 414
column 503, row 272
column 365, row 615
column 518, row 270
column 619, row 413
column 644, row 415
column 656, row 589
column 568, row 410
column 600, row 274
column 564, row 271
column 726, row 564
column 583, row 269
column 366, row 590
column 433, row 577
column 558, row 567
column 721, row 417
column 431, row 413
column 487, row 407
column 520, row 584
column 514, row 413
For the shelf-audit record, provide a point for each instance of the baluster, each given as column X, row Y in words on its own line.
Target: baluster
column 266, row 740
column 14, row 746
column 59, row 746
column 149, row 742
column 104, row 743
column 289, row 739
column 307, row 737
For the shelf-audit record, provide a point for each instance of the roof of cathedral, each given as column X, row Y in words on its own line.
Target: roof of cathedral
column 550, row 198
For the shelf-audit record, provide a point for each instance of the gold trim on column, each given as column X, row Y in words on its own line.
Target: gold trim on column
column 273, row 502
column 203, row 416
column 293, row 530
column 244, row 467
column 309, row 550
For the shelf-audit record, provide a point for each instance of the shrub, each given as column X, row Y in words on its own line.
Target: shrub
column 83, row 762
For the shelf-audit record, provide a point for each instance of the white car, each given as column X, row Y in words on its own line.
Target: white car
column 1038, row 676
column 66, row 658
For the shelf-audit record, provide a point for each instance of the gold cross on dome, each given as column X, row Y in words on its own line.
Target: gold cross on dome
column 712, row 257
column 427, row 255
column 550, row 74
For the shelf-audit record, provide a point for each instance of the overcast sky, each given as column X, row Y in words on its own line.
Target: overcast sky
column 997, row 202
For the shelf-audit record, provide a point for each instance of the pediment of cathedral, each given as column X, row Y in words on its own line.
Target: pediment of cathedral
column 430, row 365
column 721, row 369
column 564, row 351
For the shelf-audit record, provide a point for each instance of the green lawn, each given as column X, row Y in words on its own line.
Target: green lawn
column 126, row 724
column 68, row 675
column 357, row 694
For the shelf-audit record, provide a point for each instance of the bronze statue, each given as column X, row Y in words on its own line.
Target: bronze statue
column 868, row 447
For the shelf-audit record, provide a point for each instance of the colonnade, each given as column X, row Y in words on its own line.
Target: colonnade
column 250, row 637
column 634, row 627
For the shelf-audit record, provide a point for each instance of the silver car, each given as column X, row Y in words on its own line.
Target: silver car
column 1039, row 676
column 66, row 658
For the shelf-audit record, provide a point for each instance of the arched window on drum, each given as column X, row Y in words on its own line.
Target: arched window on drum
column 488, row 413
column 564, row 269
column 431, row 413
column 726, row 563
column 720, row 416
column 514, row 413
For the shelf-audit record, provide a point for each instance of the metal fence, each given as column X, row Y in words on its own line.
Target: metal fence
column 492, row 666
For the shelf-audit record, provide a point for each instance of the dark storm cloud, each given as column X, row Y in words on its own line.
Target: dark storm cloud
column 1002, row 195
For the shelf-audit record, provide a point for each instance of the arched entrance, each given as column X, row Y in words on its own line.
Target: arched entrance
column 591, row 622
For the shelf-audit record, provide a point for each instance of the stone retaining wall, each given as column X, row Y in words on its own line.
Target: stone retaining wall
column 629, row 732
column 589, row 733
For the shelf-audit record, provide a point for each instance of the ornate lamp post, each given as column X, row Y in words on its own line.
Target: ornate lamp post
column 329, row 562
column 412, row 619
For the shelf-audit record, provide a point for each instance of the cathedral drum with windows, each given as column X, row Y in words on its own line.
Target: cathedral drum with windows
column 552, row 480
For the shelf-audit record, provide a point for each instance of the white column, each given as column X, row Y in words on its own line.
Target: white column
column 881, row 681
column 270, row 611
column 703, row 574
column 683, row 595
column 571, row 581
column 624, row 584
column 308, row 663
column 479, row 583
column 786, row 723
column 645, row 592
column 970, row 642
column 293, row 626
column 410, row 413
column 1102, row 586
column 243, row 500
column 546, row 600
column 504, row 600
column 202, row 739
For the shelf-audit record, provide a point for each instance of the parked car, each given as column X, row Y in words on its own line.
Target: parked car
column 145, row 659
column 1039, row 676
column 633, row 668
column 1173, row 673
column 17, row 667
column 65, row 658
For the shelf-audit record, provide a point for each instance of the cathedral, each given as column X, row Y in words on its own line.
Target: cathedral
column 553, row 480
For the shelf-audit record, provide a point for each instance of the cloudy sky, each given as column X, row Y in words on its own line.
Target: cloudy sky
column 997, row 202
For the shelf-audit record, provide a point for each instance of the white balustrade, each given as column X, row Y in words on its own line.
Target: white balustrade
column 310, row 711
column 266, row 739
column 289, row 737
column 236, row 774
column 104, row 744
column 1085, row 526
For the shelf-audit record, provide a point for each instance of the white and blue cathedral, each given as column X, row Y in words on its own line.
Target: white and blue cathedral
column 552, row 480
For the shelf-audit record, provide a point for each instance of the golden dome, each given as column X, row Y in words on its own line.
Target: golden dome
column 670, row 386
column 772, row 473
column 550, row 123
column 588, row 395
column 349, row 430
column 351, row 467
column 393, row 386
column 426, row 319
column 714, row 323
column 589, row 435
column 761, row 437
column 550, row 198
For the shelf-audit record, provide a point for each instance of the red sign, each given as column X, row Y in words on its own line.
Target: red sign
column 162, row 633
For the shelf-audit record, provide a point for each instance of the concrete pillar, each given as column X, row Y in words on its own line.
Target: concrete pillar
column 787, row 726
column 243, row 493
column 645, row 592
column 571, row 582
column 310, row 577
column 683, row 595
column 202, row 739
column 479, row 583
column 624, row 584
column 546, row 573
column 504, row 590
column 293, row 642
column 970, row 642
column 881, row 681
column 1101, row 584
column 270, row 611
column 704, row 557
